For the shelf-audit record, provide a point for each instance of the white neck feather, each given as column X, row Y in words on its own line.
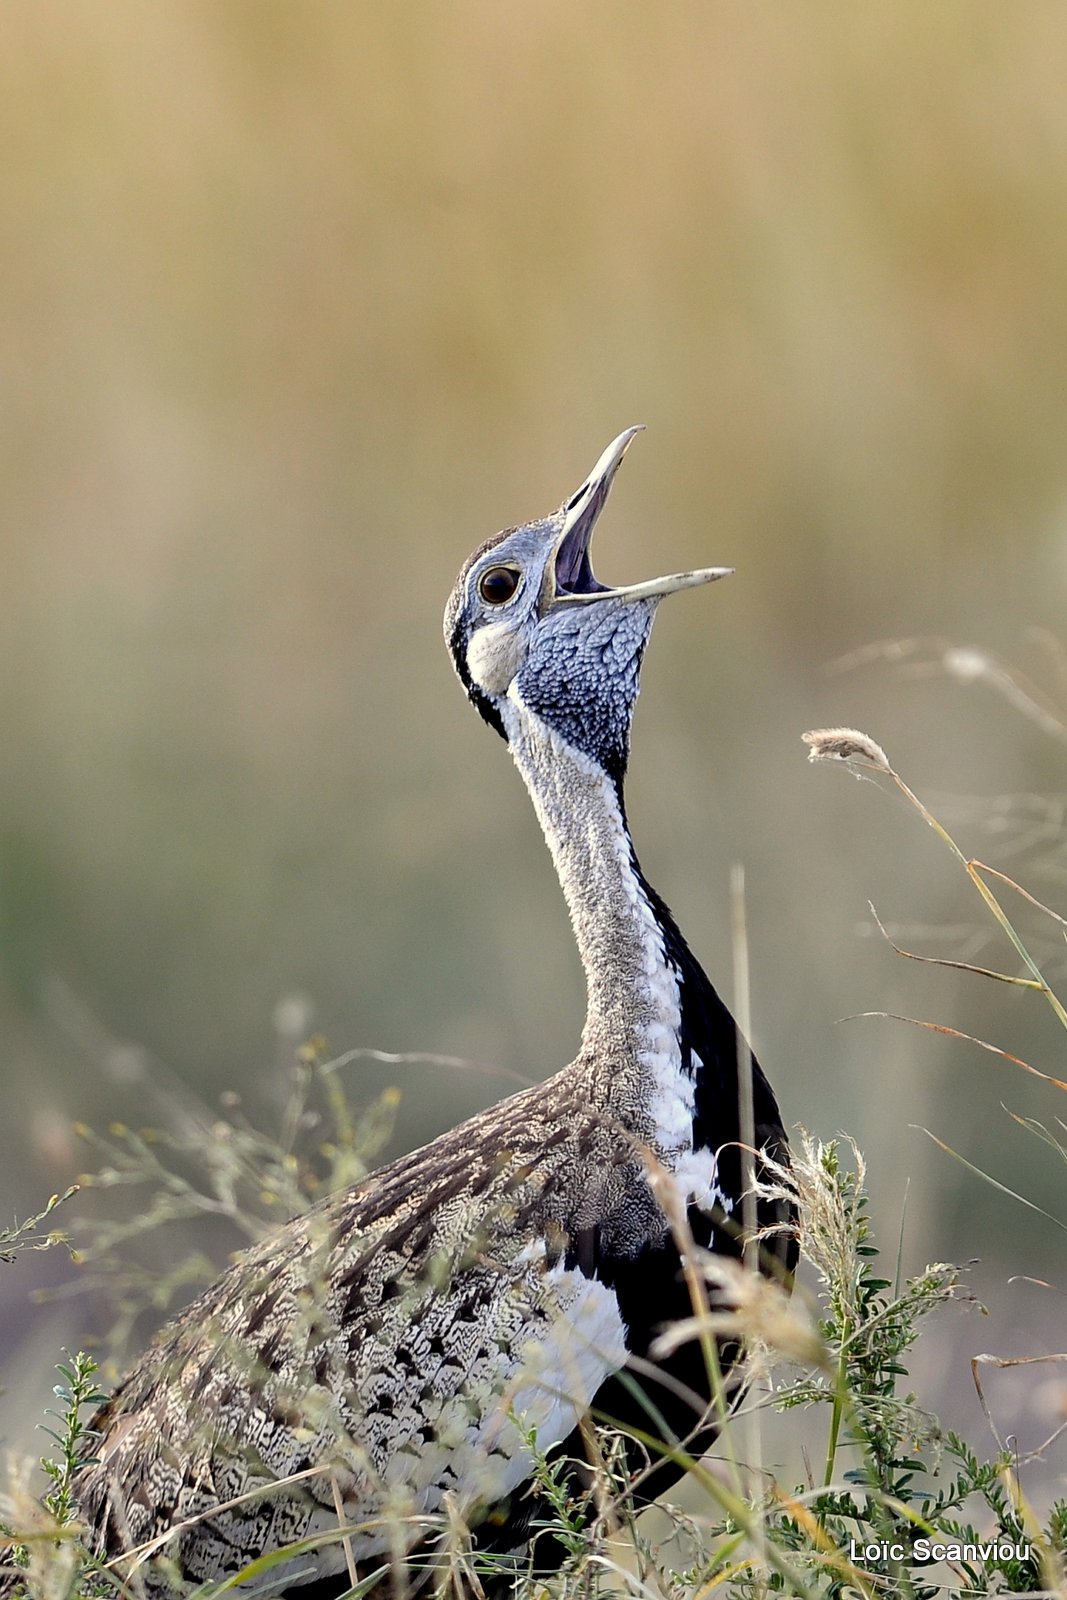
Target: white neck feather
column 633, row 1018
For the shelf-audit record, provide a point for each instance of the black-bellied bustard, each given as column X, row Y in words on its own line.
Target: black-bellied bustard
column 391, row 1352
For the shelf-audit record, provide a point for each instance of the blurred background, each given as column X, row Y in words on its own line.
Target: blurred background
column 299, row 303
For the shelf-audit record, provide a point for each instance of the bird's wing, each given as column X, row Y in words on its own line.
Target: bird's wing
column 403, row 1341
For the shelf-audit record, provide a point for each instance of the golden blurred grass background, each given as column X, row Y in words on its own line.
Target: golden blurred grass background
column 299, row 302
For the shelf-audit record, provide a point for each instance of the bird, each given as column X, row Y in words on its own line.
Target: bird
column 408, row 1350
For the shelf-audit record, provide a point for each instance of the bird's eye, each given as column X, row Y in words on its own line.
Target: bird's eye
column 498, row 585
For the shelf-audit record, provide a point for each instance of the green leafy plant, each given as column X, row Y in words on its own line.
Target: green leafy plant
column 77, row 1390
column 46, row 1554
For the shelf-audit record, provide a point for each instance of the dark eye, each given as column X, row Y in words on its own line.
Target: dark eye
column 498, row 585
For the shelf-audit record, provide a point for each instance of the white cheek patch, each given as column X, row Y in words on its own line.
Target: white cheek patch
column 494, row 656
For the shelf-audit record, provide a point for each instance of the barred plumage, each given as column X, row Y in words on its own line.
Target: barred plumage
column 395, row 1346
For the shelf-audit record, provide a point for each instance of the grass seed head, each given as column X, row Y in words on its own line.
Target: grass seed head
column 848, row 745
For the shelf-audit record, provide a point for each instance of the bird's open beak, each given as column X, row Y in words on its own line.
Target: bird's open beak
column 571, row 569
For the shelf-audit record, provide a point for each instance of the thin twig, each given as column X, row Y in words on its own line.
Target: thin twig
column 995, row 1182
column 957, row 1033
column 943, row 961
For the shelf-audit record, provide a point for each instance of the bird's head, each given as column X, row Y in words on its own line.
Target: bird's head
column 530, row 629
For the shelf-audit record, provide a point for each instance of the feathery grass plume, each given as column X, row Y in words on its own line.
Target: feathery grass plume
column 857, row 750
column 734, row 1302
column 852, row 747
column 753, row 1308
column 848, row 745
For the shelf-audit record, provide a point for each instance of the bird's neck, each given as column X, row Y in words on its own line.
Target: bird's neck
column 633, row 1036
